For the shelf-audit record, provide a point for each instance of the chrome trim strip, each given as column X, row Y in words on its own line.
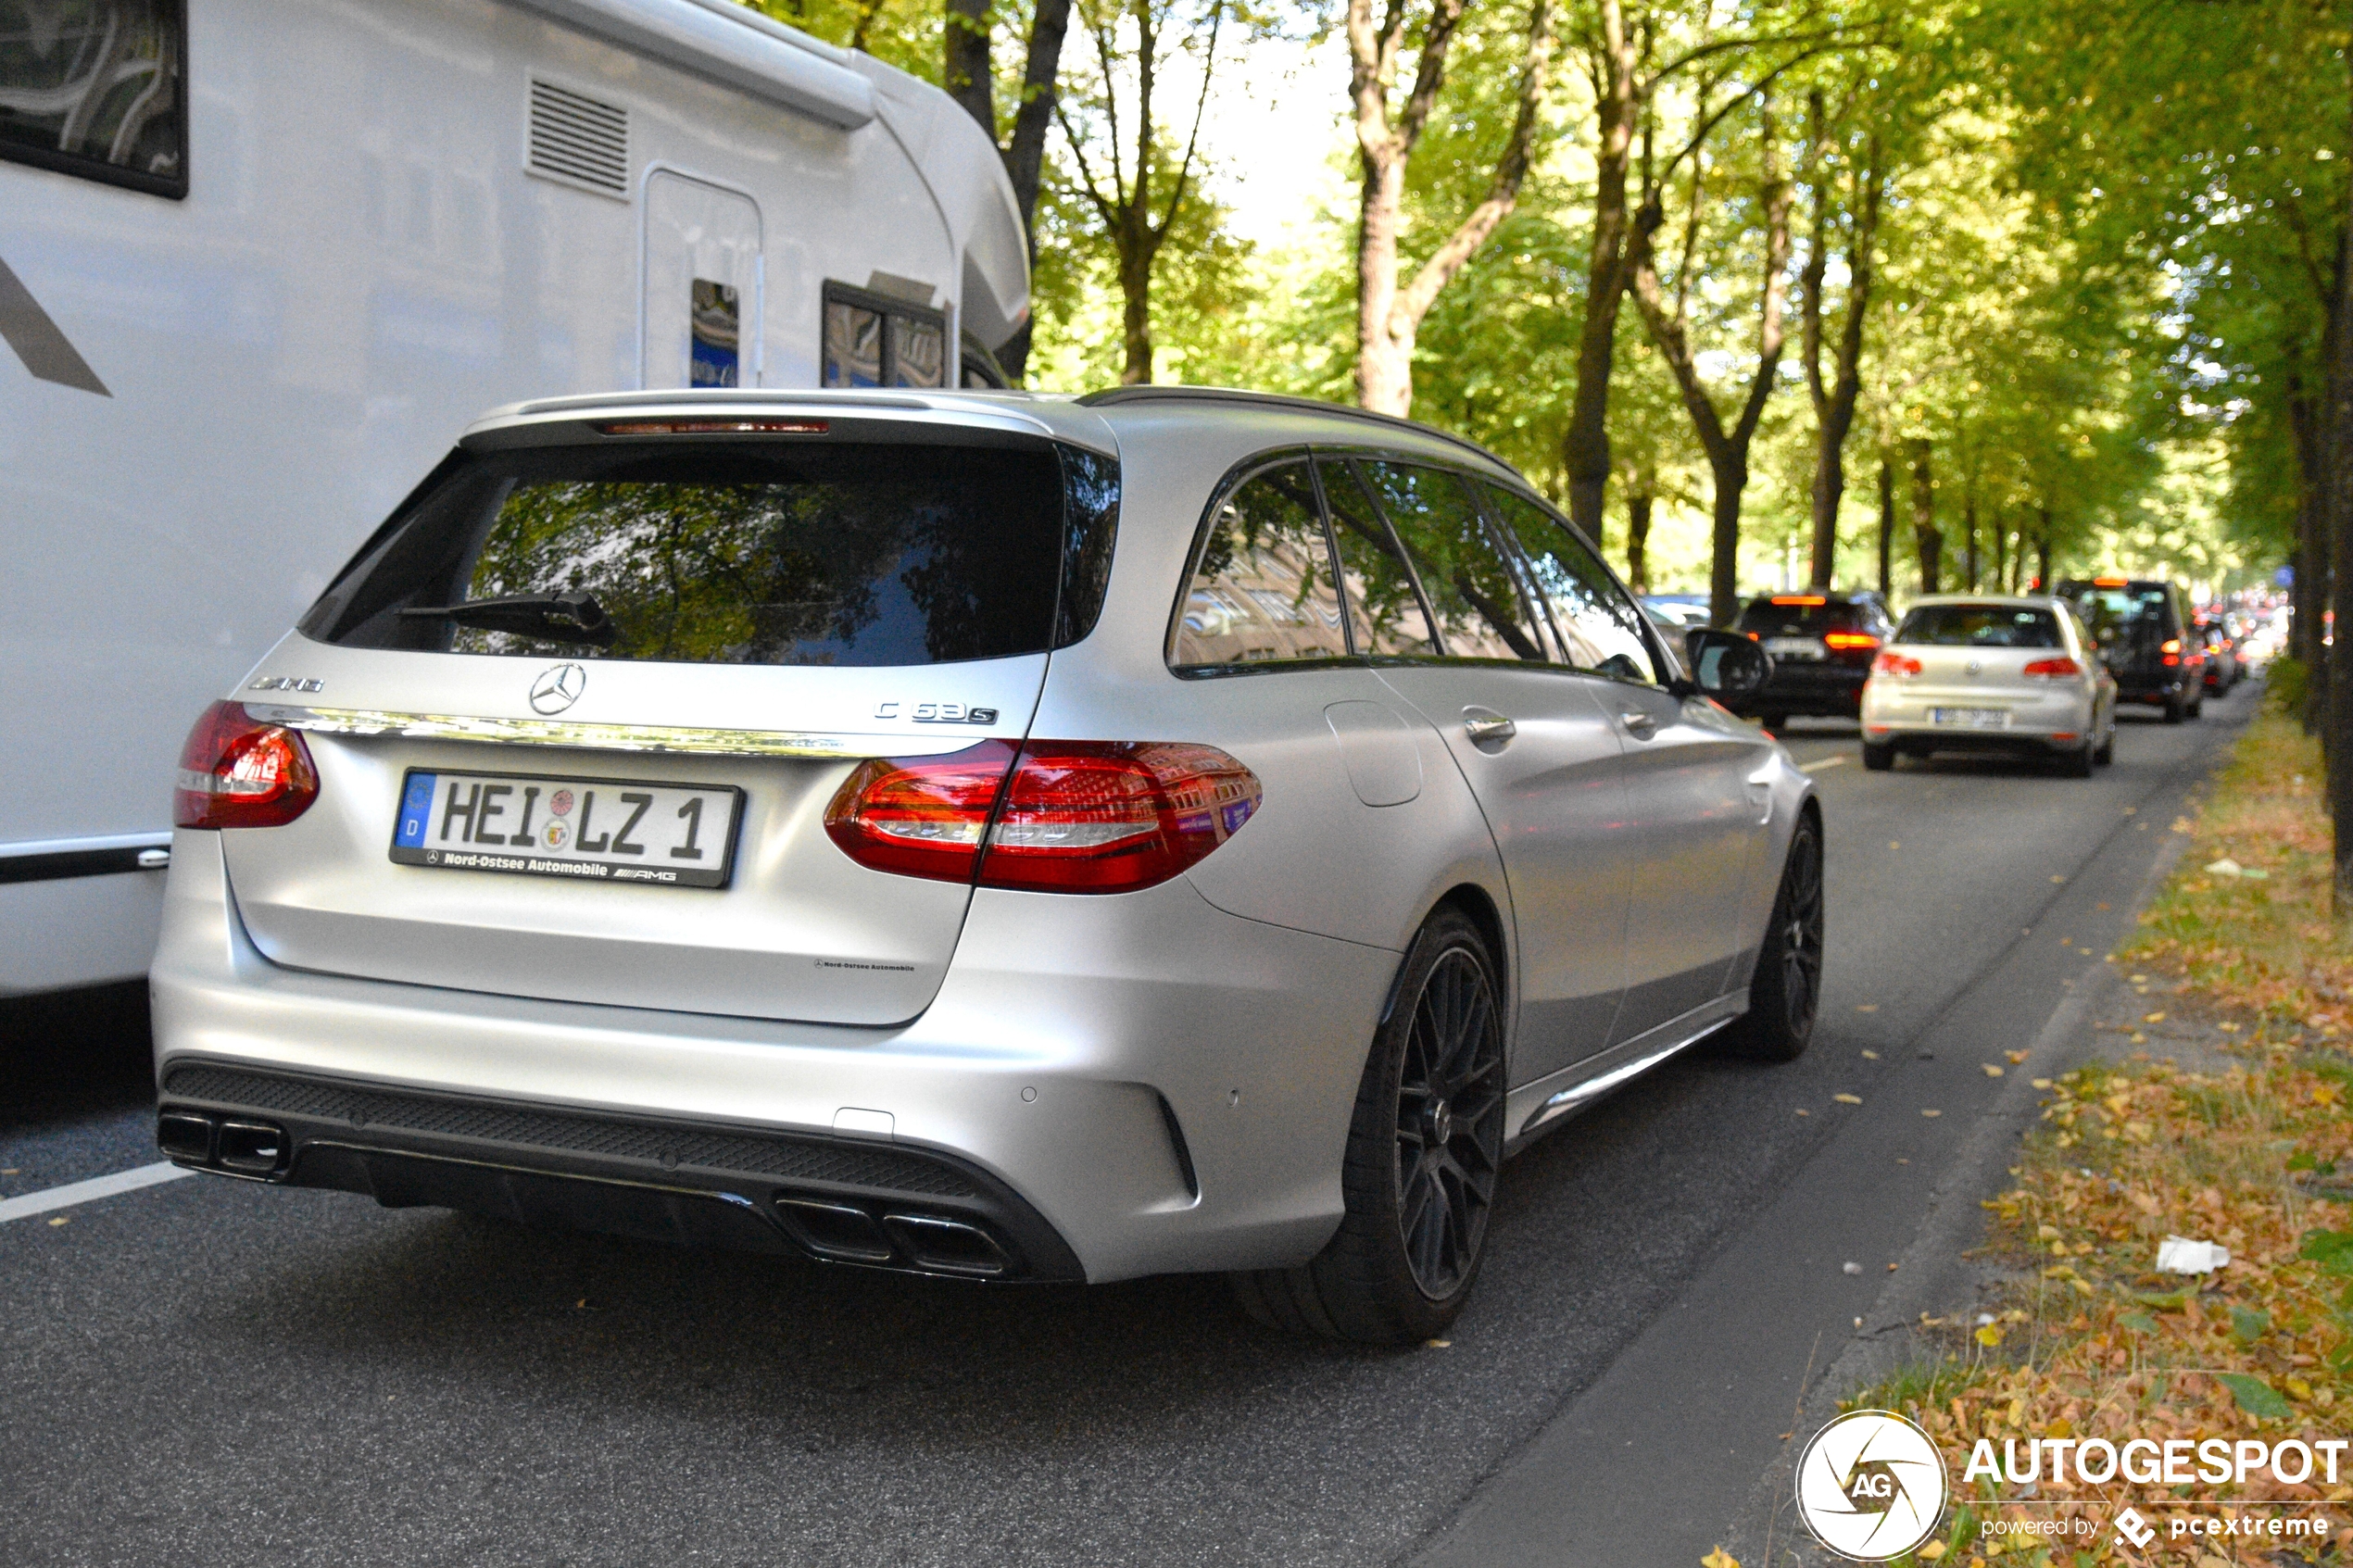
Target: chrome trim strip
column 559, row 732
column 1534, row 1106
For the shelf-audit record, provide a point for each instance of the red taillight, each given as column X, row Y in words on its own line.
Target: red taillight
column 1902, row 666
column 2171, row 644
column 2052, row 669
column 920, row 816
column 1848, row 642
column 238, row 772
column 1074, row 817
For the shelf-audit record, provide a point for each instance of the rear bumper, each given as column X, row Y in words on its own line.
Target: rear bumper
column 2060, row 721
column 1119, row 1087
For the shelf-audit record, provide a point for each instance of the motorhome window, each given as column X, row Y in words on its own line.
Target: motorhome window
column 97, row 88
column 1262, row 590
column 871, row 340
column 855, row 554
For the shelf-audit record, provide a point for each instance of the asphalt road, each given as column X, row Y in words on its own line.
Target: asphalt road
column 205, row 1369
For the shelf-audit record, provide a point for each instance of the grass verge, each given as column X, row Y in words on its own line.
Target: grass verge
column 2088, row 1340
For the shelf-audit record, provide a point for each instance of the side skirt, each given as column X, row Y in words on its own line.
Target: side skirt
column 1536, row 1109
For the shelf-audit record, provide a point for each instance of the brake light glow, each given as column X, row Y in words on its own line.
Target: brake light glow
column 237, row 771
column 1848, row 642
column 1056, row 817
column 1902, row 666
column 713, row 427
column 1799, row 599
column 2111, row 581
column 2171, row 644
column 2052, row 669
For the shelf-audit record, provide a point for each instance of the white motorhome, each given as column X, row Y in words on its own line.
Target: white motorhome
column 261, row 261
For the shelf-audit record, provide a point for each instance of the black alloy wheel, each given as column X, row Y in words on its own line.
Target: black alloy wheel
column 1787, row 991
column 1425, row 1150
column 1449, row 1123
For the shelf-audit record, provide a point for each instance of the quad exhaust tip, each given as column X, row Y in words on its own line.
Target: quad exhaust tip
column 234, row 1145
column 845, row 1232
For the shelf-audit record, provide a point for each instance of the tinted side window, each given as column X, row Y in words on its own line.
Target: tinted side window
column 1381, row 596
column 1471, row 586
column 1262, row 590
column 97, row 88
column 1600, row 627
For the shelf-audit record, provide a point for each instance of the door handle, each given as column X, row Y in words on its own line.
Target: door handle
column 1640, row 725
column 1484, row 725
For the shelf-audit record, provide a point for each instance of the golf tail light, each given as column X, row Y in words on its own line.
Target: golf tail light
column 237, row 771
column 920, row 816
column 2052, row 669
column 1115, row 816
column 1902, row 666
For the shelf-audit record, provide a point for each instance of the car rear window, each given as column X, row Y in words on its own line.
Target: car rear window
column 1798, row 615
column 1980, row 626
column 2142, row 609
column 850, row 554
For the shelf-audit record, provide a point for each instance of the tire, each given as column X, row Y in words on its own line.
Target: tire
column 1879, row 759
column 1784, row 999
column 2197, row 709
column 2174, row 710
column 2105, row 753
column 2077, row 764
column 1425, row 1147
column 1773, row 724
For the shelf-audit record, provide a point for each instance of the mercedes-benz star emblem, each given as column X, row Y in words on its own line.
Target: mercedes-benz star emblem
column 557, row 688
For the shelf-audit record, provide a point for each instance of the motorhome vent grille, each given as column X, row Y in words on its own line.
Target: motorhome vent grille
column 578, row 140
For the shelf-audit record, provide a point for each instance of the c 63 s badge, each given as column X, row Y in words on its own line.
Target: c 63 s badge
column 285, row 683
column 936, row 713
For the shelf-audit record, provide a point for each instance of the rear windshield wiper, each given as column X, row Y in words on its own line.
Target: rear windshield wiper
column 576, row 617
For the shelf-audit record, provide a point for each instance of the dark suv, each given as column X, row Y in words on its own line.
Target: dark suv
column 1822, row 646
column 2141, row 626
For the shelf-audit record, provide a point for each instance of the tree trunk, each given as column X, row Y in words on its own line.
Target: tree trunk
column 2043, row 554
column 1727, row 449
column 1969, row 521
column 1638, row 538
column 1886, row 527
column 1389, row 318
column 1834, row 403
column 1925, row 537
column 1135, row 293
column 1026, row 153
column 2001, row 553
column 2336, row 740
column 965, row 71
column 2308, row 594
column 1585, row 444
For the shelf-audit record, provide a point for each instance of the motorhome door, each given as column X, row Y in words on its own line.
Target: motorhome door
column 702, row 306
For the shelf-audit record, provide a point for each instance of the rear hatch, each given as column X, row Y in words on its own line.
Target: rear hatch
column 610, row 786
column 1972, row 658
column 2130, row 622
column 1812, row 638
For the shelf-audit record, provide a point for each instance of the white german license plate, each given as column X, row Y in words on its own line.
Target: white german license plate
column 589, row 830
column 1971, row 717
column 1793, row 647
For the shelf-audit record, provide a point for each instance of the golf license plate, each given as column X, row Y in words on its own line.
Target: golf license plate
column 1793, row 647
column 588, row 830
column 1971, row 717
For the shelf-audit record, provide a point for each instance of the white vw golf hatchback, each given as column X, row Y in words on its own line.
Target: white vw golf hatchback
column 991, row 836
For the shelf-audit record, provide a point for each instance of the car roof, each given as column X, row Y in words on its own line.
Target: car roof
column 1095, row 420
column 2037, row 601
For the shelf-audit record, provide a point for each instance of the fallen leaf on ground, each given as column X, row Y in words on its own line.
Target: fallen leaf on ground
column 1991, row 1071
column 1867, row 1007
column 2153, row 1018
column 1932, row 1113
column 1870, row 1056
column 2016, row 1057
column 1848, row 1099
column 59, row 1221
column 1719, row 1558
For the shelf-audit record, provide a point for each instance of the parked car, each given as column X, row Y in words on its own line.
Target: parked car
column 2141, row 627
column 1683, row 609
column 973, row 835
column 1965, row 672
column 1822, row 646
column 2223, row 667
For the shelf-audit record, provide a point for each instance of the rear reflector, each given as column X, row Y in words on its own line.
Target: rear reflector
column 1063, row 817
column 238, row 772
column 1902, row 666
column 1848, row 642
column 2052, row 669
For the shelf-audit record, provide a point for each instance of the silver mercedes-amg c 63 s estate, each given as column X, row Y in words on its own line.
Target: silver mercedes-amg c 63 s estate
column 982, row 835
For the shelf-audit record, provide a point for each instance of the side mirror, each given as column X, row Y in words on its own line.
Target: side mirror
column 1725, row 665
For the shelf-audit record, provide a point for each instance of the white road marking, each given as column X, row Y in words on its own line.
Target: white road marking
column 84, row 1192
column 1816, row 766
